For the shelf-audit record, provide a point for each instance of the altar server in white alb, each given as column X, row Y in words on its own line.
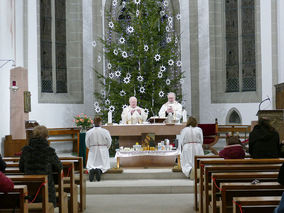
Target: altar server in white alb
column 133, row 114
column 190, row 144
column 172, row 106
column 98, row 141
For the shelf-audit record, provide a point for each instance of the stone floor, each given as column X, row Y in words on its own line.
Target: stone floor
column 140, row 203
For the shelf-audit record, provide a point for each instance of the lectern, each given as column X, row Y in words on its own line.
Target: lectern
column 277, row 119
column 279, row 96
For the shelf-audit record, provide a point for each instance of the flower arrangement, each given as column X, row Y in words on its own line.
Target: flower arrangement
column 83, row 121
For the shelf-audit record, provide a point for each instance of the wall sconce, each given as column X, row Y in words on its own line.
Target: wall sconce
column 6, row 61
column 14, row 86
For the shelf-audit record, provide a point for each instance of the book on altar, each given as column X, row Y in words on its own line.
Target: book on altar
column 148, row 139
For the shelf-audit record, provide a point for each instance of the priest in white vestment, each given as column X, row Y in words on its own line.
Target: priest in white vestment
column 190, row 144
column 133, row 114
column 98, row 141
column 172, row 106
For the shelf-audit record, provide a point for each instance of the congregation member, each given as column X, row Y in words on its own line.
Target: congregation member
column 171, row 107
column 233, row 149
column 190, row 144
column 2, row 164
column 133, row 114
column 264, row 141
column 38, row 158
column 6, row 184
column 98, row 141
column 280, row 208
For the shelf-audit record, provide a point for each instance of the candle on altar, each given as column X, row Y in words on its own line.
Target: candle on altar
column 184, row 116
column 109, row 117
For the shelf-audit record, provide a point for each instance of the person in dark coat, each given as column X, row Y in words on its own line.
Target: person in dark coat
column 234, row 148
column 2, row 164
column 264, row 141
column 39, row 158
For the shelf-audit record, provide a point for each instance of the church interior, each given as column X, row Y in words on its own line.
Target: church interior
column 145, row 105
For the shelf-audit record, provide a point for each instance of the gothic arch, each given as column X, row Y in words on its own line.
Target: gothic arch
column 234, row 117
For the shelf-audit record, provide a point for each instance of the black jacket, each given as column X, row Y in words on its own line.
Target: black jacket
column 2, row 164
column 264, row 143
column 39, row 158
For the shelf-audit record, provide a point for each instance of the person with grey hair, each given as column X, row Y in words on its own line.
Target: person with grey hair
column 133, row 114
column 171, row 107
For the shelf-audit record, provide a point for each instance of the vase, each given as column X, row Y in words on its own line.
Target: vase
column 83, row 129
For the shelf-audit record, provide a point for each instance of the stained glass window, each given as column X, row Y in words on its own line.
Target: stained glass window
column 240, row 45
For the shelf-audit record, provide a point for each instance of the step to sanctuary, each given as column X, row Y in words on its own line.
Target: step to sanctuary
column 141, row 186
column 134, row 174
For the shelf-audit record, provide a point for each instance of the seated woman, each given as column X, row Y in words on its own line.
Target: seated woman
column 190, row 142
column 234, row 148
column 39, row 158
column 6, row 184
column 264, row 141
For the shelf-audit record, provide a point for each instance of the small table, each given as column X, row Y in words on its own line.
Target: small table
column 147, row 158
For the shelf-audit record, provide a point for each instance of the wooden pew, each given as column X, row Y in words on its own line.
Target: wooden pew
column 79, row 178
column 78, row 168
column 227, row 162
column 218, row 178
column 71, row 188
column 33, row 182
column 255, row 204
column 230, row 190
column 197, row 159
column 62, row 197
column 15, row 200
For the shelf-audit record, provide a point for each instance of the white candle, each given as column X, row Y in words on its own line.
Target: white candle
column 109, row 117
column 184, row 116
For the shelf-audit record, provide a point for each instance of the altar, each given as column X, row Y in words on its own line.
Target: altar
column 130, row 134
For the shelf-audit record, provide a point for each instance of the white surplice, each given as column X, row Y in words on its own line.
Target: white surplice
column 177, row 108
column 135, row 118
column 98, row 141
column 190, row 142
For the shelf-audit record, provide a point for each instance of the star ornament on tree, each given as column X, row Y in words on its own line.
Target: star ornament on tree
column 124, row 54
column 140, row 78
column 115, row 52
column 94, row 43
column 111, row 108
column 114, row 3
column 137, row 13
column 142, row 90
column 166, row 3
column 96, row 104
column 162, row 68
column 122, row 93
column 126, row 80
column 161, row 94
column 157, row 57
column 146, row 47
column 168, row 82
column 121, row 40
column 178, row 16
column 171, row 62
column 128, row 75
column 130, row 29
column 117, row 73
column 99, row 59
column 146, row 111
column 98, row 109
column 111, row 75
column 169, row 39
column 179, row 63
column 109, row 66
column 124, row 106
column 137, row 1
column 160, row 75
column 111, row 25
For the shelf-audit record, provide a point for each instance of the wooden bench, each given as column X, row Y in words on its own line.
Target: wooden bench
column 209, row 169
column 218, row 178
column 65, row 135
column 15, row 200
column 255, row 204
column 61, row 195
column 79, row 178
column 197, row 159
column 230, row 190
column 227, row 162
column 71, row 187
column 77, row 167
column 33, row 183
column 243, row 130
